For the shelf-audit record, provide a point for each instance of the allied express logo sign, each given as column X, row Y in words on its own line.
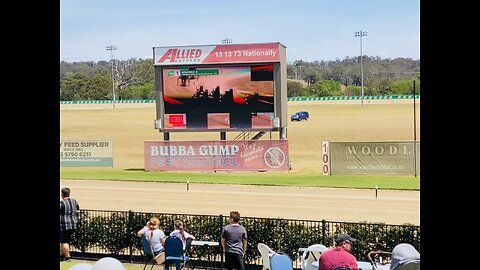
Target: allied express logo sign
column 231, row 53
column 181, row 55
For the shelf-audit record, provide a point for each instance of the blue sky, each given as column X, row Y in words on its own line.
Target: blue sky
column 310, row 29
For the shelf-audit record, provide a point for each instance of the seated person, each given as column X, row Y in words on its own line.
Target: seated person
column 155, row 237
column 339, row 255
column 182, row 234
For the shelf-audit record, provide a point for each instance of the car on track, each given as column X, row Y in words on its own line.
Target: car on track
column 299, row 116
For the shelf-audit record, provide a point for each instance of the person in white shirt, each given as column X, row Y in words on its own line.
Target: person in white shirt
column 182, row 234
column 156, row 237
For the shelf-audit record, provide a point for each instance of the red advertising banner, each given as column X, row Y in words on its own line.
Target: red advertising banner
column 253, row 155
column 208, row 54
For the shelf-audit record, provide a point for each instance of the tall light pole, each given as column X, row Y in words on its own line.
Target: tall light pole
column 361, row 34
column 227, row 41
column 112, row 48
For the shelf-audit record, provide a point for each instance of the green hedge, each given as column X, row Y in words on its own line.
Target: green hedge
column 114, row 233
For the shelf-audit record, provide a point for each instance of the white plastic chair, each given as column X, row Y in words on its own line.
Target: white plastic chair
column 266, row 253
column 312, row 254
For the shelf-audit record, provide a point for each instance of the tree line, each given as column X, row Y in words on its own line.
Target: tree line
column 135, row 78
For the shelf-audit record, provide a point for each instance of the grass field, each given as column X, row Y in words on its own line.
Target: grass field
column 128, row 126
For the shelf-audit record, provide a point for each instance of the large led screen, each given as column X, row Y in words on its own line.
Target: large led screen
column 218, row 98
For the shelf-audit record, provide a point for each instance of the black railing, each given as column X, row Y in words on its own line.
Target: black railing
column 114, row 233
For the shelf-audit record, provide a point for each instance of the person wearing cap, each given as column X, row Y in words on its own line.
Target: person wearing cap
column 339, row 255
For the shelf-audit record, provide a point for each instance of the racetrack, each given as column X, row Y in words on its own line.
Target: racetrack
column 343, row 205
column 129, row 125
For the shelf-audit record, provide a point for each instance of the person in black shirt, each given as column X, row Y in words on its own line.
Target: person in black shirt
column 68, row 222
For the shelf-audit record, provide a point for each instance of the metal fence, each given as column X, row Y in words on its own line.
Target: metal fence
column 114, row 233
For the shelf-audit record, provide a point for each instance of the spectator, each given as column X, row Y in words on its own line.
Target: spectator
column 404, row 253
column 182, row 234
column 234, row 242
column 68, row 222
column 339, row 255
column 156, row 237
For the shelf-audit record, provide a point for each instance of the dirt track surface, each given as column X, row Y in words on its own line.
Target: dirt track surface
column 343, row 205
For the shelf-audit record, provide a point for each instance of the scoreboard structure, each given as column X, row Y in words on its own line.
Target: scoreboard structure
column 228, row 87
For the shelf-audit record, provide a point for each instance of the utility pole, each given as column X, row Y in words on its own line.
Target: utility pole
column 361, row 34
column 112, row 48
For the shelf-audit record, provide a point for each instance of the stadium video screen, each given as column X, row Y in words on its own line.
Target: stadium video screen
column 218, row 98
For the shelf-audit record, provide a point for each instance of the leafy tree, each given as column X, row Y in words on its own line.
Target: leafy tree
column 353, row 90
column 295, row 89
column 143, row 72
column 405, row 87
column 99, row 87
column 146, row 91
column 381, row 86
column 135, row 78
column 73, row 86
column 326, row 88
